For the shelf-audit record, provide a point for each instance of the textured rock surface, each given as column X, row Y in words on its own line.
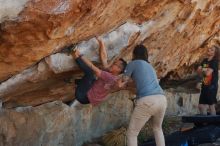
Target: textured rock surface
column 177, row 34
column 34, row 71
column 44, row 27
column 56, row 124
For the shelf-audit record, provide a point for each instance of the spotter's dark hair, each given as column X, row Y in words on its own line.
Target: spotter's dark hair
column 140, row 53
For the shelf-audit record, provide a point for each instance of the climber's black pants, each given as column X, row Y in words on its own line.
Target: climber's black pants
column 85, row 83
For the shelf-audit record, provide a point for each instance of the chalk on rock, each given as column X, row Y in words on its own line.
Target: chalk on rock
column 60, row 62
column 21, row 109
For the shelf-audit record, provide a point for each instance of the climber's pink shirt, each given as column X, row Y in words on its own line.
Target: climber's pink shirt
column 101, row 87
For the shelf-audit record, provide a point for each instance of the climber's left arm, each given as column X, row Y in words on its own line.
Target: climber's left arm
column 95, row 69
column 103, row 53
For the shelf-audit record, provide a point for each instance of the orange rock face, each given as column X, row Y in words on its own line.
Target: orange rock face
column 44, row 27
column 176, row 32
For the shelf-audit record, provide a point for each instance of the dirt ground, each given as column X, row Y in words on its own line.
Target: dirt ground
column 170, row 125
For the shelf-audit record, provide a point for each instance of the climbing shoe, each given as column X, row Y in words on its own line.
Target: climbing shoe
column 69, row 49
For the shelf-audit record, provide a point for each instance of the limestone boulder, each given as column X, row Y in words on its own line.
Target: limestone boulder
column 56, row 124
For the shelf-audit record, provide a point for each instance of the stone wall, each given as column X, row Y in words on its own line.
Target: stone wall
column 177, row 34
column 34, row 72
column 56, row 124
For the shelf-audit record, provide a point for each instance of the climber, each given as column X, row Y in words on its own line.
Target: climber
column 96, row 84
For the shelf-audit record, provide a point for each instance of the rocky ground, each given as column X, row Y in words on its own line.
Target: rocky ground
column 170, row 125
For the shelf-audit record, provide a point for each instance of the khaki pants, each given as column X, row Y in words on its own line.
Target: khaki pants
column 150, row 108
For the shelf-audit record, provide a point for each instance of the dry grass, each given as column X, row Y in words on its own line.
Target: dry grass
column 118, row 137
column 115, row 138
